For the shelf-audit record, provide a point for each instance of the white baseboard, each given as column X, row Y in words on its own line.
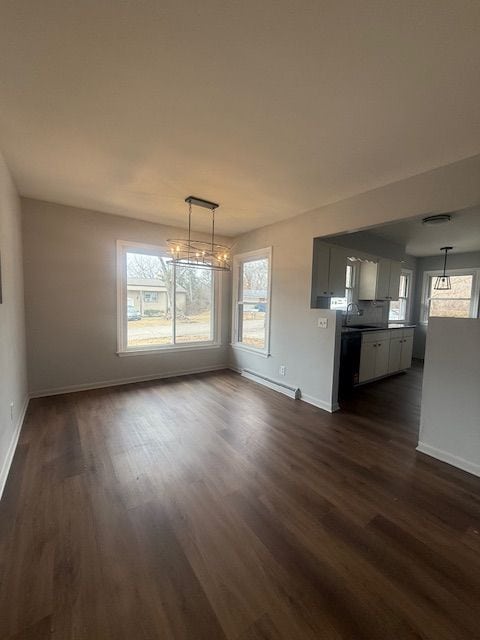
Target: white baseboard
column 120, row 381
column 321, row 404
column 280, row 387
column 316, row 402
column 7, row 463
column 449, row 458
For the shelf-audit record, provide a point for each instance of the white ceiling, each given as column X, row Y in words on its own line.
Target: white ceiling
column 462, row 233
column 271, row 108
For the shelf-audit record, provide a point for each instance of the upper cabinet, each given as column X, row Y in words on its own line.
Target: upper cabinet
column 328, row 274
column 379, row 280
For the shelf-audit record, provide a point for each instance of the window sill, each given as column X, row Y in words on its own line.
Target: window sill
column 169, row 349
column 257, row 352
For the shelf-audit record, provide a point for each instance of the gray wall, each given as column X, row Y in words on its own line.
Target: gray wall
column 433, row 263
column 449, row 424
column 13, row 375
column 296, row 342
column 71, row 300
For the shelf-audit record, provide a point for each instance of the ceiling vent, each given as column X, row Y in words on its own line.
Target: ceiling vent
column 440, row 218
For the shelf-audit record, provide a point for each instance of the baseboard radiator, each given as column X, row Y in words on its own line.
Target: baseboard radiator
column 291, row 392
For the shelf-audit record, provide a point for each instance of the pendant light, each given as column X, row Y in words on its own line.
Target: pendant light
column 442, row 283
column 187, row 252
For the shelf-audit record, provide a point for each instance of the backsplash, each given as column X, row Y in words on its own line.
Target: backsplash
column 373, row 313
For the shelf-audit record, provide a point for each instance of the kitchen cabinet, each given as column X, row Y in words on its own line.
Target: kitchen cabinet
column 329, row 271
column 385, row 352
column 395, row 353
column 406, row 356
column 374, row 355
column 379, row 280
column 400, row 352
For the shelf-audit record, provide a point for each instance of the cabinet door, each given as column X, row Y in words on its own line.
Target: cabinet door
column 406, row 357
column 394, row 354
column 383, row 280
column 394, row 286
column 367, row 284
column 381, row 358
column 337, row 272
column 367, row 361
column 321, row 265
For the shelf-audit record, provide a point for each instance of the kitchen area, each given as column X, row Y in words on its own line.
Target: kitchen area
column 369, row 283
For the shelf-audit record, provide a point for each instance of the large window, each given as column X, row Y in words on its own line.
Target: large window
column 400, row 309
column 461, row 301
column 162, row 305
column 251, row 313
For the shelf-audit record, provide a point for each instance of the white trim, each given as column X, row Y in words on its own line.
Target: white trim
column 321, row 404
column 121, row 381
column 280, row 387
column 474, row 310
column 257, row 352
column 238, row 260
column 191, row 346
column 444, row 456
column 7, row 463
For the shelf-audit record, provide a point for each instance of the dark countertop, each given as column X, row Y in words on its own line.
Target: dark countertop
column 385, row 327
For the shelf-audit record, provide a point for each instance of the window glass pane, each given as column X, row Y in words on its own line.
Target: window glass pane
column 450, row 308
column 339, row 304
column 349, row 277
column 461, row 287
column 255, row 280
column 149, row 300
column 253, row 318
column 194, row 295
column 403, row 291
column 398, row 309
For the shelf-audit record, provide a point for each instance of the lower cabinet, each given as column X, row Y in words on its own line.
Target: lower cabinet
column 407, row 350
column 374, row 355
column 385, row 352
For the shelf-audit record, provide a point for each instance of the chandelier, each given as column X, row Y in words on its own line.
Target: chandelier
column 187, row 252
column 443, row 283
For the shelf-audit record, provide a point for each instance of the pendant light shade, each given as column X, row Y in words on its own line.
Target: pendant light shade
column 443, row 283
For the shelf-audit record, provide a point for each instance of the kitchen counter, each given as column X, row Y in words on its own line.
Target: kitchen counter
column 384, row 327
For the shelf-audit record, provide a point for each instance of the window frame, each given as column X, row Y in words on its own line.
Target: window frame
column 474, row 300
column 409, row 273
column 124, row 247
column 238, row 260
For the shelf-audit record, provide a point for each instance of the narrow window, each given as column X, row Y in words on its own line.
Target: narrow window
column 251, row 315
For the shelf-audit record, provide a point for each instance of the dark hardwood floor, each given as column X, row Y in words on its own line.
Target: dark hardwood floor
column 208, row 508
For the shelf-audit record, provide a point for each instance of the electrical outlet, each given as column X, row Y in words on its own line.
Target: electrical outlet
column 282, row 370
column 12, row 405
column 323, row 323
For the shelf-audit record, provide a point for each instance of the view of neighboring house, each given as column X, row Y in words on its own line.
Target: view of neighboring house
column 150, row 296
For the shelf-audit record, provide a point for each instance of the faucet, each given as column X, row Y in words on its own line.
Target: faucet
column 350, row 306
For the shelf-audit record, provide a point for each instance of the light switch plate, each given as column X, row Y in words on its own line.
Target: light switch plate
column 323, row 323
